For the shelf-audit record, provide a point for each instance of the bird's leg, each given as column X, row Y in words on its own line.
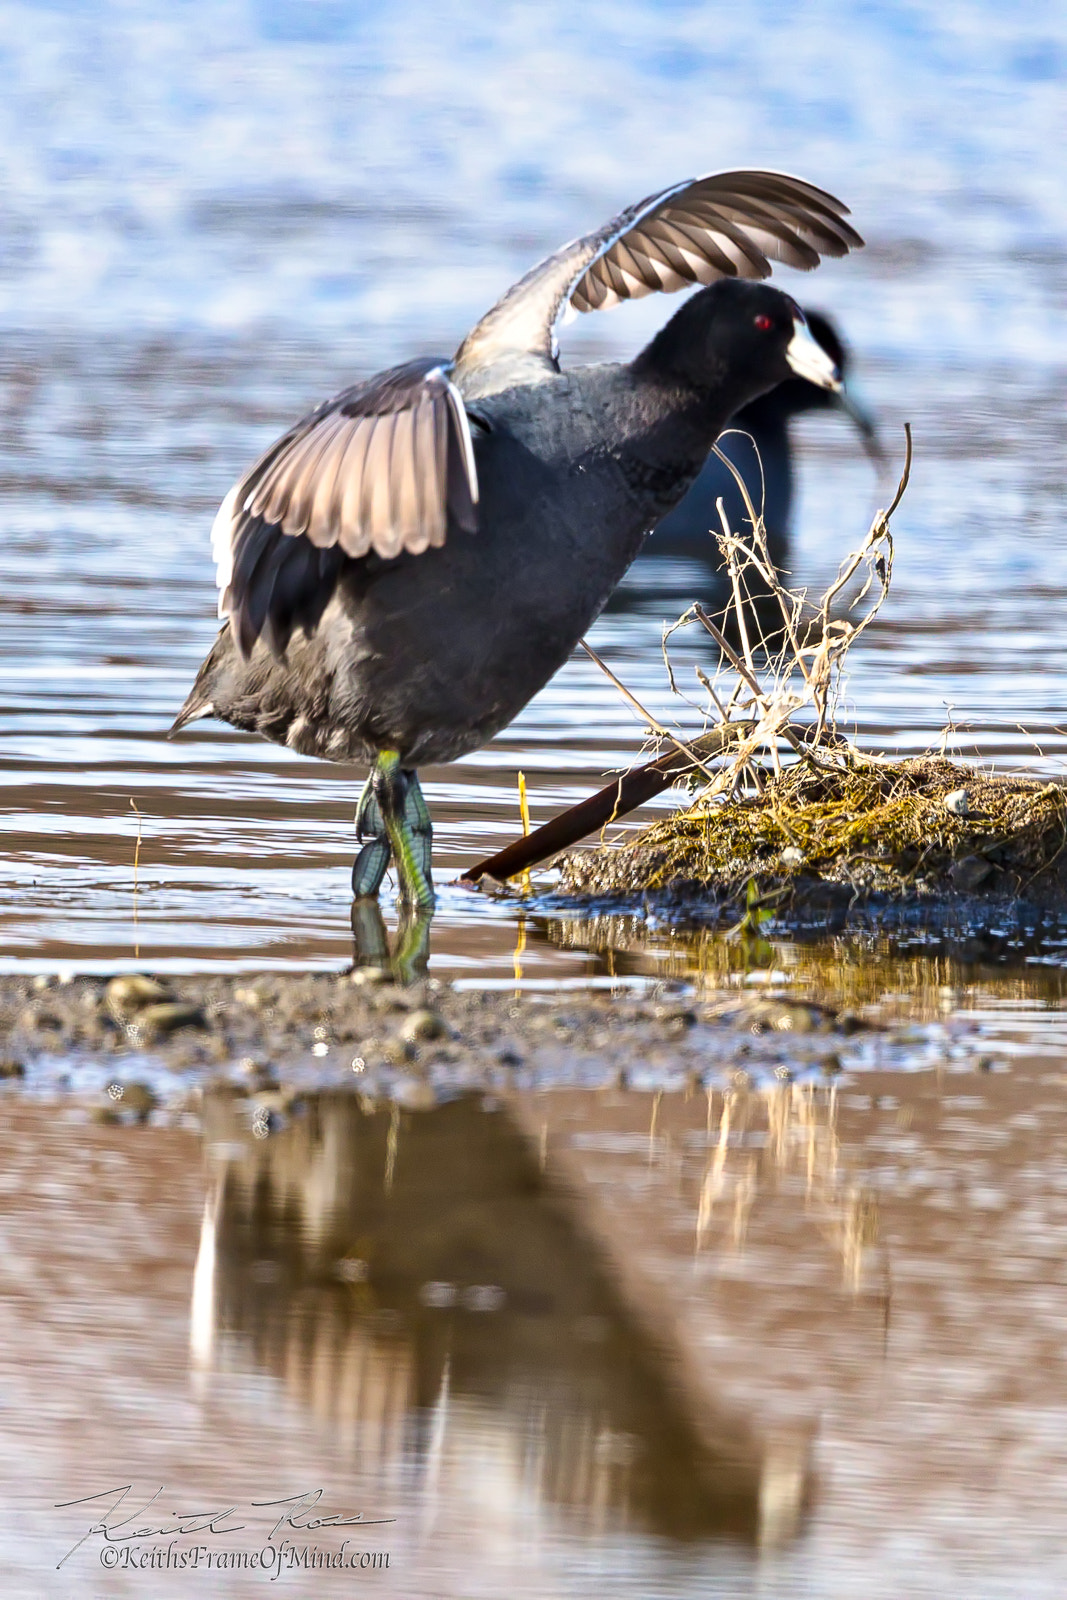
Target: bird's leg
column 407, row 828
column 418, row 819
column 371, row 863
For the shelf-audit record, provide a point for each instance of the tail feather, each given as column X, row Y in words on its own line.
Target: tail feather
column 197, row 705
column 200, row 699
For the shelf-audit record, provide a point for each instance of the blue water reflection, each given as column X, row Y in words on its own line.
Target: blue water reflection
column 211, row 218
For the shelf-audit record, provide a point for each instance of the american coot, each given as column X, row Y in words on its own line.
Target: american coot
column 411, row 563
column 758, row 444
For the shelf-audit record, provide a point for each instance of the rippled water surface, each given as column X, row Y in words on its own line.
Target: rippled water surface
column 208, row 228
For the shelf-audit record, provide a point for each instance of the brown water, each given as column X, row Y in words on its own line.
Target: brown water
column 791, row 1342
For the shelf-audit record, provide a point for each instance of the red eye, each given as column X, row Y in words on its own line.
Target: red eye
column 763, row 323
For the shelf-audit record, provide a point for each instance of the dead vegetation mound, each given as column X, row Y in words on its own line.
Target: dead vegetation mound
column 919, row 827
column 794, row 802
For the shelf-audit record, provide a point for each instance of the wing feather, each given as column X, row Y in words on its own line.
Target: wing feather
column 726, row 224
column 431, row 505
column 382, row 470
column 353, row 536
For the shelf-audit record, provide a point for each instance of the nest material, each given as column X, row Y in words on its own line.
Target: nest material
column 877, row 827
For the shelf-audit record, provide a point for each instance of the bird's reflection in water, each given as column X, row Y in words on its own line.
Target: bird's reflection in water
column 407, row 957
column 417, row 1282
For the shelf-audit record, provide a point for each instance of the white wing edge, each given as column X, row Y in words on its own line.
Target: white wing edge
column 222, row 545
column 459, row 411
column 459, row 414
column 222, row 527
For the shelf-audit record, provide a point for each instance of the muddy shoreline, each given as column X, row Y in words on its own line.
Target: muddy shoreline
column 136, row 1049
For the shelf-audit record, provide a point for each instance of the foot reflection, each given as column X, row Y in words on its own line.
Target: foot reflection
column 409, row 957
column 417, row 1282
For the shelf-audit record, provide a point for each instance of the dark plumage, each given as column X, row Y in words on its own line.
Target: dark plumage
column 410, row 564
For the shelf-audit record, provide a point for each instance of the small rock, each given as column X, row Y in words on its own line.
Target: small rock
column 251, row 1067
column 422, row 1024
column 34, row 1021
column 851, row 1022
column 368, row 977
column 155, row 1021
column 958, row 802
column 10, row 1068
column 255, row 995
column 138, row 1099
column 674, row 1020
column 789, row 1016
column 969, row 873
column 132, row 993
column 415, row 1096
column 273, row 1101
column 792, row 857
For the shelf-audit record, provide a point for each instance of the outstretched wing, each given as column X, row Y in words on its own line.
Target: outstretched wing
column 380, row 469
column 728, row 224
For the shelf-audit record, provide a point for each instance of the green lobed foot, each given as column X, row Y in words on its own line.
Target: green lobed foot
column 393, row 822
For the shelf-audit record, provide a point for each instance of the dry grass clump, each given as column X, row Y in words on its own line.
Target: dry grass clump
column 797, row 801
column 877, row 826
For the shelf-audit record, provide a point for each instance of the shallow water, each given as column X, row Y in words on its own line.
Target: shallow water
column 581, row 1343
column 185, row 271
column 797, row 1341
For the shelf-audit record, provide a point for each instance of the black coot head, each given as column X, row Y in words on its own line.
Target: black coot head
column 742, row 339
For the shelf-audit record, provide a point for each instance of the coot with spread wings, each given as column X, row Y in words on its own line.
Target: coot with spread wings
column 407, row 566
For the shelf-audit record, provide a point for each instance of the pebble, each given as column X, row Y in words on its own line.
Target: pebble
column 157, row 1020
column 132, row 993
column 969, row 873
column 958, row 802
column 254, row 995
column 369, row 977
column 129, row 1101
column 421, row 1024
column 139, row 1099
column 789, row 1016
column 415, row 1096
